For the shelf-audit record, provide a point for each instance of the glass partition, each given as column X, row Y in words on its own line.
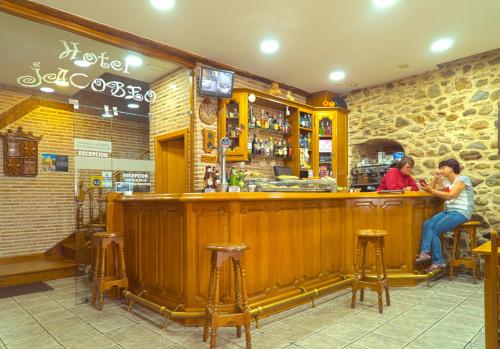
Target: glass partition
column 82, row 110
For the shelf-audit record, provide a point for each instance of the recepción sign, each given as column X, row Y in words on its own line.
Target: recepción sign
column 92, row 145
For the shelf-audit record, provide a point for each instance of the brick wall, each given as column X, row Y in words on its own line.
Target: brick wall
column 171, row 111
column 38, row 212
column 263, row 166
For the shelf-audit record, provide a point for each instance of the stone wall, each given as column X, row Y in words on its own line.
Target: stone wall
column 449, row 112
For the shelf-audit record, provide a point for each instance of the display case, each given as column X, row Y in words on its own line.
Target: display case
column 331, row 144
column 286, row 133
column 233, row 124
column 299, row 185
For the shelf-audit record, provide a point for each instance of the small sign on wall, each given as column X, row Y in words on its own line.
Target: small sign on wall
column 53, row 162
column 139, row 180
column 96, row 181
column 107, row 179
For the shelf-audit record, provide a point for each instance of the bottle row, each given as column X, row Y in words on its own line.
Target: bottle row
column 306, row 120
column 212, row 179
column 268, row 121
column 325, row 128
column 274, row 147
column 305, row 141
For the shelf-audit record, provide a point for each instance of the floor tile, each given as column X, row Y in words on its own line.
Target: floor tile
column 43, row 341
column 321, row 341
column 474, row 346
column 344, row 332
column 111, row 323
column 22, row 333
column 363, row 322
column 400, row 332
column 428, row 340
column 288, row 332
column 379, row 341
column 265, row 341
column 461, row 331
column 58, row 315
column 96, row 341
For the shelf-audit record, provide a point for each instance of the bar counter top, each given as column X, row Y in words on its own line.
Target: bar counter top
column 298, row 242
column 246, row 196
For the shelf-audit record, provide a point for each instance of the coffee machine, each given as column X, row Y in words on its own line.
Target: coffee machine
column 368, row 177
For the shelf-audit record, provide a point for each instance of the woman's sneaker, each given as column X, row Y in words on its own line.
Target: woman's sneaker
column 435, row 266
column 422, row 258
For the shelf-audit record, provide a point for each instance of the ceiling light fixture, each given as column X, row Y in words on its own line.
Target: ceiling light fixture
column 82, row 63
column 384, row 3
column 163, row 5
column 441, row 44
column 133, row 105
column 337, row 75
column 62, row 83
column 269, row 46
column 173, row 86
column 133, row 60
column 47, row 89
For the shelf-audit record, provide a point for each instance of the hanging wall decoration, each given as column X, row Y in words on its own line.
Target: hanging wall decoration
column 208, row 111
column 20, row 153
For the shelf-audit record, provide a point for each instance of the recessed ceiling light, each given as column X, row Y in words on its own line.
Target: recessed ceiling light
column 441, row 44
column 384, row 3
column 163, row 4
column 133, row 60
column 82, row 63
column 133, row 105
column 62, row 83
column 269, row 46
column 47, row 89
column 173, row 86
column 337, row 75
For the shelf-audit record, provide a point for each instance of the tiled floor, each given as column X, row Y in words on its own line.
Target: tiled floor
column 447, row 315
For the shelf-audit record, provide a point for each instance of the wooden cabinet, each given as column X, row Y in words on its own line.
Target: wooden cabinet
column 233, row 123
column 331, row 144
column 307, row 129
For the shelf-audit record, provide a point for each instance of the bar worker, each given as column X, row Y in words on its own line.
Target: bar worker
column 399, row 177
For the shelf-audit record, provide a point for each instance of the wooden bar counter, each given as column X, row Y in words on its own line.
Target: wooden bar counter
column 298, row 241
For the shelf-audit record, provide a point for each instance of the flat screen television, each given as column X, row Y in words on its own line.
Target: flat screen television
column 216, row 82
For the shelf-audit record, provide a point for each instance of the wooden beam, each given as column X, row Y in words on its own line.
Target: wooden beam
column 120, row 38
column 26, row 106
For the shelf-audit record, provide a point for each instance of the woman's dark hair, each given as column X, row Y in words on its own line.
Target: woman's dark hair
column 406, row 160
column 454, row 164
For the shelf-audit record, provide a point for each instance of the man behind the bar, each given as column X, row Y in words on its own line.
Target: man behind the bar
column 399, row 177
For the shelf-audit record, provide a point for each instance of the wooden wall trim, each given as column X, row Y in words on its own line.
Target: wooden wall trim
column 26, row 106
column 121, row 38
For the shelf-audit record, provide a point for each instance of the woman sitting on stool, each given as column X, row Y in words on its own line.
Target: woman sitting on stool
column 459, row 203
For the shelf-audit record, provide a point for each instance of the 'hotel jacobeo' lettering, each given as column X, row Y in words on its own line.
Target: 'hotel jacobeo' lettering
column 81, row 80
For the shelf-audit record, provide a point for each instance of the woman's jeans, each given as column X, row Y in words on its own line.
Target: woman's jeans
column 435, row 226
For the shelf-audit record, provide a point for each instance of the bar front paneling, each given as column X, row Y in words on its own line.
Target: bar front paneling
column 297, row 241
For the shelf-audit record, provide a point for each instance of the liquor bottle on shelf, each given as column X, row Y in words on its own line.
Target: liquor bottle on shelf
column 250, row 146
column 251, row 122
column 321, row 128
column 254, row 145
column 308, row 141
column 289, row 150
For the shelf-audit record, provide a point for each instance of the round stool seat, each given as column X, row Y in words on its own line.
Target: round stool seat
column 470, row 224
column 227, row 247
column 371, row 232
column 104, row 235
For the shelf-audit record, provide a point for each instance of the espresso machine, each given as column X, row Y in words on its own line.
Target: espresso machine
column 368, row 177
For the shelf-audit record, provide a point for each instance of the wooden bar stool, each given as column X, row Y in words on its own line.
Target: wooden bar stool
column 361, row 279
column 237, row 314
column 468, row 262
column 102, row 283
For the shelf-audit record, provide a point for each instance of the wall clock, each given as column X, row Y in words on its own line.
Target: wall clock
column 208, row 111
